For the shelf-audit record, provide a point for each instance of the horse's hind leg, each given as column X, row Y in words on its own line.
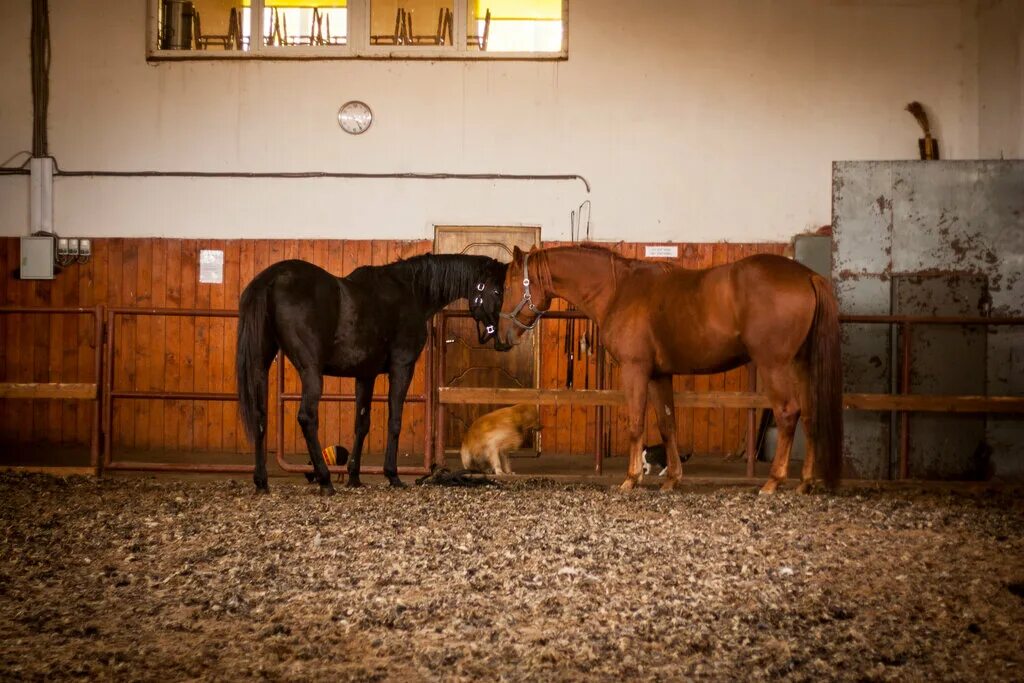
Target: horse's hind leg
column 309, row 420
column 660, row 389
column 783, row 389
column 364, row 394
column 807, row 418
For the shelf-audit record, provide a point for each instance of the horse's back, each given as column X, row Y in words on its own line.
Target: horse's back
column 706, row 320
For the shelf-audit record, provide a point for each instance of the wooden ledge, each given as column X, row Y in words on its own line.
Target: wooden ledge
column 43, row 390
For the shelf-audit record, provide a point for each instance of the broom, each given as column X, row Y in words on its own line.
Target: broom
column 928, row 146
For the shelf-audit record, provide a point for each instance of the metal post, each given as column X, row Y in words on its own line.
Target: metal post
column 439, row 446
column 599, row 417
column 97, row 419
column 751, row 422
column 428, row 397
column 108, row 401
column 904, row 389
column 280, row 406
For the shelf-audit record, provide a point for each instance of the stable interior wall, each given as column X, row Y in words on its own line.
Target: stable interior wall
column 693, row 121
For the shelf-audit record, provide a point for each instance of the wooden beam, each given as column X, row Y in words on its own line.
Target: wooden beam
column 55, row 471
column 921, row 403
column 42, row 390
column 732, row 399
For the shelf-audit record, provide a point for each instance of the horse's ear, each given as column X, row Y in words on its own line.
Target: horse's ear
column 517, row 254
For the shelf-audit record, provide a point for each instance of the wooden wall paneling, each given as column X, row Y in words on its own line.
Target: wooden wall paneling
column 48, row 413
column 41, row 427
column 55, row 370
column 115, row 285
column 173, row 411
column 8, row 257
column 155, row 344
column 78, row 359
column 203, row 367
column 130, row 337
column 187, row 343
column 215, row 409
column 19, row 350
column 143, row 349
column 22, row 410
column 100, row 278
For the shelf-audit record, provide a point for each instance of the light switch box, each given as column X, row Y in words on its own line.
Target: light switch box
column 37, row 258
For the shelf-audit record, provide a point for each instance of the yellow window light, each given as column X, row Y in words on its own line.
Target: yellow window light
column 530, row 10
column 302, row 4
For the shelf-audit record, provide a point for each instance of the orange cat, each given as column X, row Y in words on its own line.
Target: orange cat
column 492, row 436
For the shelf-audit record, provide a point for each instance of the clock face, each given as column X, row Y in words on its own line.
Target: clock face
column 355, row 117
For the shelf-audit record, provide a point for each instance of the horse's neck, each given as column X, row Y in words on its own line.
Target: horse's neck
column 587, row 280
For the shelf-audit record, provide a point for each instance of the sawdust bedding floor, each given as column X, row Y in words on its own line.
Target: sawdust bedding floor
column 536, row 580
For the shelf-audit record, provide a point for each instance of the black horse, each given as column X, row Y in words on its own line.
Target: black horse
column 371, row 322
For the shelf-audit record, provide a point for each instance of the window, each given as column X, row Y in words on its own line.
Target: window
column 383, row 29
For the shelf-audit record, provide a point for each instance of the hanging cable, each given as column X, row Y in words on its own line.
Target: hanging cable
column 40, row 49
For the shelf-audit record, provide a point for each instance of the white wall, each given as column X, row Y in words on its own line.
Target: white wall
column 695, row 120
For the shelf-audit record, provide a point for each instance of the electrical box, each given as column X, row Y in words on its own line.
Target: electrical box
column 36, row 258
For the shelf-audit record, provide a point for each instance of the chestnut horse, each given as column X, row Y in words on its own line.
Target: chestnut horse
column 657, row 320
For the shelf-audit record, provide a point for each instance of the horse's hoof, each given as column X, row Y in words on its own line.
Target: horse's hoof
column 327, row 490
column 397, row 483
column 310, row 477
column 353, row 483
column 769, row 487
column 805, row 487
column 627, row 485
column 669, row 484
column 263, row 490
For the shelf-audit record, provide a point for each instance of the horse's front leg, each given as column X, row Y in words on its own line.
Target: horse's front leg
column 634, row 384
column 309, row 408
column 364, row 395
column 399, row 377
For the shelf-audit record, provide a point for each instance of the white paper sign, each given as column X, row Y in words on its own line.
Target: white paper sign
column 211, row 266
column 661, row 251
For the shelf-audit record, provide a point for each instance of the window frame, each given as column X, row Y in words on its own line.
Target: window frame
column 357, row 45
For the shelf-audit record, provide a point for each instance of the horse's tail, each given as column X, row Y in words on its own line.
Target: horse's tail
column 255, row 345
column 826, row 391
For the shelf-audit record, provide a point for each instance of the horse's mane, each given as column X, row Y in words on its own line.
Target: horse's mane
column 446, row 277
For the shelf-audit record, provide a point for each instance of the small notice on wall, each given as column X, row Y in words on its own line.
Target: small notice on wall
column 661, row 251
column 211, row 266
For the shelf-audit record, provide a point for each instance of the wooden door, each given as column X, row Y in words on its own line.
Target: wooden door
column 467, row 364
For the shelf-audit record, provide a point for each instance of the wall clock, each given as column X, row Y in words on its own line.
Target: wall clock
column 355, row 117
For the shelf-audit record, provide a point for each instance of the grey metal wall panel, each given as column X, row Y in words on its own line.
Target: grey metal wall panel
column 893, row 218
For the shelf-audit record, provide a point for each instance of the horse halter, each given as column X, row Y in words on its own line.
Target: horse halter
column 475, row 304
column 526, row 301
